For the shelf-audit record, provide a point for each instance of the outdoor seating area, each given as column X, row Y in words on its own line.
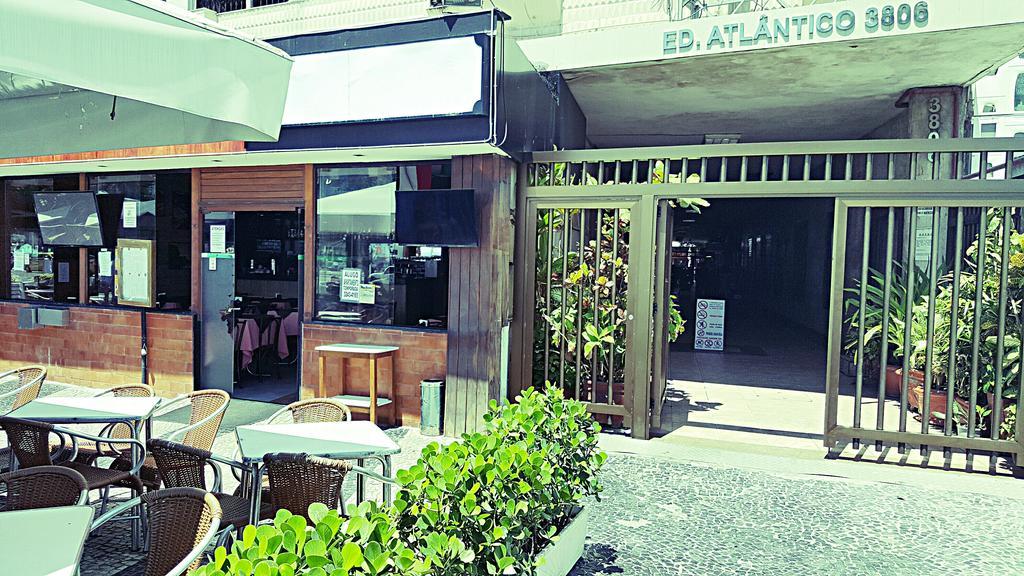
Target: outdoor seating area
column 100, row 453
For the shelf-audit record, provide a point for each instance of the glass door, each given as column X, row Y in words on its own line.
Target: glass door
column 217, row 320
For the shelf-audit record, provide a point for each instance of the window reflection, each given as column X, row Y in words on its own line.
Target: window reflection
column 362, row 276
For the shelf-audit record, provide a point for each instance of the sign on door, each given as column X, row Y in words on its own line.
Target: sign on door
column 710, row 325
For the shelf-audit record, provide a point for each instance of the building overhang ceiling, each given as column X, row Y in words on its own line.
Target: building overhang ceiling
column 647, row 85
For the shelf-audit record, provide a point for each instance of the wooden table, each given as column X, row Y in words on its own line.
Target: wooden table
column 361, row 352
column 341, row 440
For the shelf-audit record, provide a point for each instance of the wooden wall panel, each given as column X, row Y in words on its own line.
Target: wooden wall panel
column 252, row 188
column 479, row 282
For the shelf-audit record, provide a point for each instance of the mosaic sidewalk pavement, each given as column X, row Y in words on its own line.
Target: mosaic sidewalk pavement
column 666, row 518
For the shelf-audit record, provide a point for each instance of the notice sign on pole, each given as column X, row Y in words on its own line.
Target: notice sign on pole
column 710, row 325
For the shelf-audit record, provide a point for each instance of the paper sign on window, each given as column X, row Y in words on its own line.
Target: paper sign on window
column 218, row 238
column 351, row 280
column 367, row 294
column 130, row 214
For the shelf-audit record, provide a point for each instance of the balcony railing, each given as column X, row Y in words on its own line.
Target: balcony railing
column 221, row 6
column 689, row 9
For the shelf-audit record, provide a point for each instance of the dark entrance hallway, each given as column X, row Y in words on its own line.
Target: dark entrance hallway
column 770, row 261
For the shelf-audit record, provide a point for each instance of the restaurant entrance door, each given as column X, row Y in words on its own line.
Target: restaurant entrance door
column 251, row 289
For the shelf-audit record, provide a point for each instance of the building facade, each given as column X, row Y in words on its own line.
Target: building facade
column 743, row 100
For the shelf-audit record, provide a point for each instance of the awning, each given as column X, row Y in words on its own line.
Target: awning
column 85, row 75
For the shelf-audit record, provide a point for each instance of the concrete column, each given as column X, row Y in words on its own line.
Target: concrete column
column 934, row 113
column 938, row 112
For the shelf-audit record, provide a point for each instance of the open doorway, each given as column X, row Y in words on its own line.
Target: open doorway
column 767, row 262
column 252, row 286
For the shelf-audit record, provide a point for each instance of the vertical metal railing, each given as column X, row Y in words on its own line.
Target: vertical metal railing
column 579, row 296
column 961, row 279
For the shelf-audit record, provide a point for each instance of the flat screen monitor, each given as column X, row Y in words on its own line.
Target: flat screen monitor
column 68, row 219
column 436, row 218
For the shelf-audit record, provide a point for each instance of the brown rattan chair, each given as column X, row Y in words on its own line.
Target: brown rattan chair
column 207, row 412
column 44, row 487
column 30, row 382
column 182, row 466
column 30, row 442
column 298, row 480
column 313, row 410
column 182, row 523
column 89, row 452
column 27, row 381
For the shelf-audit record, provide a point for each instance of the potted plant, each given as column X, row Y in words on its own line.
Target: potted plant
column 512, row 494
column 989, row 311
column 873, row 329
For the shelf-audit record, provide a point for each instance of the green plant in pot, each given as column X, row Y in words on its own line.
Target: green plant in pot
column 988, row 352
column 873, row 329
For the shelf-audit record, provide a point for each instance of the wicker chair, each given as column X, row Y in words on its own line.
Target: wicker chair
column 182, row 466
column 208, row 407
column 89, row 452
column 44, row 487
column 298, row 480
column 313, row 410
column 30, row 442
column 182, row 524
column 30, row 382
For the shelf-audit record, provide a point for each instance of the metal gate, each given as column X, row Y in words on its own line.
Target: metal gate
column 927, row 313
column 900, row 183
column 581, row 291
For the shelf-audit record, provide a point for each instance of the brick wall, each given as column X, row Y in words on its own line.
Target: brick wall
column 421, row 355
column 100, row 348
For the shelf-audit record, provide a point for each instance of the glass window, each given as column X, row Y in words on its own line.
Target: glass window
column 36, row 271
column 163, row 217
column 40, row 272
column 362, row 276
column 1018, row 94
column 988, row 130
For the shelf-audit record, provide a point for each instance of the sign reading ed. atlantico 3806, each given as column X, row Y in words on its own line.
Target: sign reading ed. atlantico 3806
column 784, row 30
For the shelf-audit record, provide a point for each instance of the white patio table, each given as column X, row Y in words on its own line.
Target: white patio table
column 45, row 541
column 354, row 440
column 97, row 410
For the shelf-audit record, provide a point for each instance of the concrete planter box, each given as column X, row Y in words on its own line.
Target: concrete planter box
column 560, row 556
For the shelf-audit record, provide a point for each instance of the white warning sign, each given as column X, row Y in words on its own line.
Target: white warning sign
column 710, row 324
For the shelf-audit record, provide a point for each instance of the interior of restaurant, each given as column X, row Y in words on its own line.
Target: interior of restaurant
column 266, row 318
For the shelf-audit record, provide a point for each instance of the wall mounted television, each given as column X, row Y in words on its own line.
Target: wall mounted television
column 69, row 219
column 436, row 218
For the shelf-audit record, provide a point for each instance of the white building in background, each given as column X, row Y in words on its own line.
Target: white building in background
column 999, row 102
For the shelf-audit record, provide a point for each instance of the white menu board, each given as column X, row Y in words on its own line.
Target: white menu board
column 710, row 325
column 134, row 274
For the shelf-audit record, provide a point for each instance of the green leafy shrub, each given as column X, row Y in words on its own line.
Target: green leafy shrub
column 364, row 544
column 482, row 505
column 495, row 499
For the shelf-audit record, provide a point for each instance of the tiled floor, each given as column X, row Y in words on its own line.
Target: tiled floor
column 768, row 386
column 686, row 506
